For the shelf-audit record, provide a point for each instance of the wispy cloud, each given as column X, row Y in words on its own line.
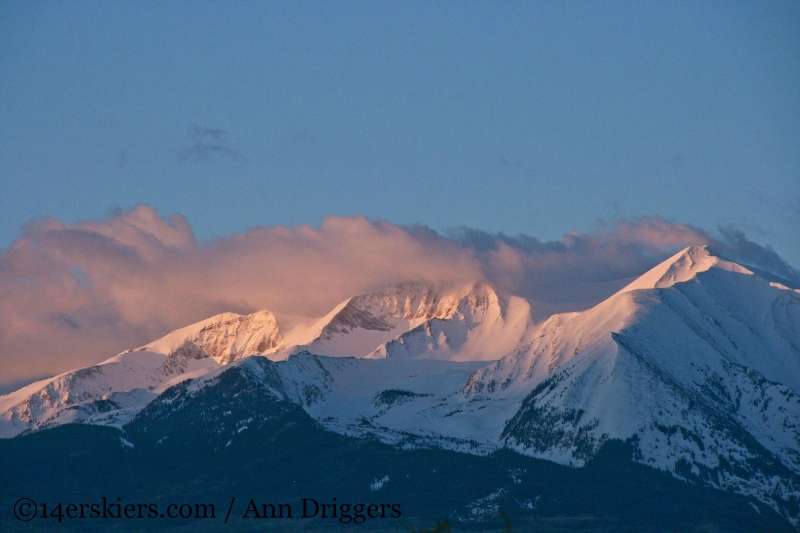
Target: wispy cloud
column 74, row 294
column 206, row 144
column 737, row 246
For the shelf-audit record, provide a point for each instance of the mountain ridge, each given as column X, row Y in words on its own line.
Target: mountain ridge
column 696, row 363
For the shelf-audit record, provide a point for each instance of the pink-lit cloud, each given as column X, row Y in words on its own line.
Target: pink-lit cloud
column 72, row 295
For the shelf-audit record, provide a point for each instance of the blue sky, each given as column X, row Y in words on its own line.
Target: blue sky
column 537, row 117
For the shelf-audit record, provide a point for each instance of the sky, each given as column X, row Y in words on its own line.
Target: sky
column 535, row 127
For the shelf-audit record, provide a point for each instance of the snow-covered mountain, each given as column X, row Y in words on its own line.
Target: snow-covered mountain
column 471, row 323
column 696, row 364
column 468, row 323
column 224, row 338
column 109, row 393
column 697, row 361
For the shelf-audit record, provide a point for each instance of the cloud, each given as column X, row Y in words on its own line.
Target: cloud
column 75, row 294
column 206, row 143
column 579, row 270
column 737, row 246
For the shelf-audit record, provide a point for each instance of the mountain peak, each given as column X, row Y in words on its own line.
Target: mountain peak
column 224, row 337
column 365, row 323
column 681, row 267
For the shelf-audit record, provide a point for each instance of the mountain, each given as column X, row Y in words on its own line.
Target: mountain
column 471, row 323
column 697, row 362
column 474, row 324
column 112, row 392
column 225, row 338
column 694, row 366
column 109, row 393
column 467, row 323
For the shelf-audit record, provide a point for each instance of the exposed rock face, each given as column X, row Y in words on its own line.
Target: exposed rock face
column 225, row 338
column 406, row 301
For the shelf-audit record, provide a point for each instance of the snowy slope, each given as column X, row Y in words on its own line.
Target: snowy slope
column 473, row 325
column 109, row 393
column 698, row 361
column 467, row 323
column 406, row 402
column 113, row 391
